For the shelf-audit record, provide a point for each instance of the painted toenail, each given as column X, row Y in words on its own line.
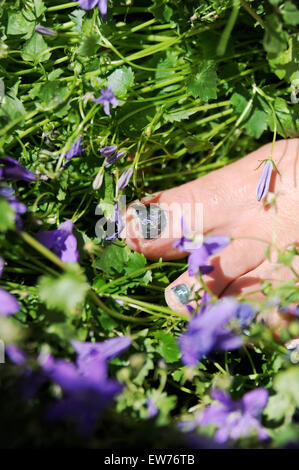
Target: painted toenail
column 182, row 292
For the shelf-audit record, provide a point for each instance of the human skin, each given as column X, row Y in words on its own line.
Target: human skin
column 231, row 208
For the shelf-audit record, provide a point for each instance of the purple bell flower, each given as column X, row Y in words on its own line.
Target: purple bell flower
column 233, row 419
column 61, row 241
column 207, row 332
column 107, row 97
column 13, row 170
column 124, row 179
column 89, row 4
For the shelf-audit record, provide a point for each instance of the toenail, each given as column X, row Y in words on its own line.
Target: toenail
column 182, row 292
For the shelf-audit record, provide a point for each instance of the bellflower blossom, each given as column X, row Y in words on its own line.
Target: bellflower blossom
column 207, row 332
column 86, row 386
column 235, row 419
column 107, row 97
column 124, row 179
column 89, row 4
column 264, row 182
column 8, row 303
column 13, row 170
column 75, row 150
column 200, row 252
column 61, row 241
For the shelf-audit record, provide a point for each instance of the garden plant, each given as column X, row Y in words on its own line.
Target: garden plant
column 104, row 103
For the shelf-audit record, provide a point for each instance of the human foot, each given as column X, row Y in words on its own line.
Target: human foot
column 230, row 208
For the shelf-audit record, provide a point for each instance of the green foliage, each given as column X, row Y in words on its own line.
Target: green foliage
column 70, row 289
column 183, row 111
column 7, row 216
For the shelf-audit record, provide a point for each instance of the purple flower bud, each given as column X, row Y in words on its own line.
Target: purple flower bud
column 264, row 182
column 108, row 150
column 45, row 31
column 116, row 156
column 125, row 178
column 13, row 170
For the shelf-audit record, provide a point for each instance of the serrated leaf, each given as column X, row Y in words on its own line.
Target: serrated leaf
column 121, row 81
column 35, row 50
column 77, row 17
column 113, row 260
column 178, row 116
column 168, row 347
column 70, row 289
column 89, row 45
column 204, row 83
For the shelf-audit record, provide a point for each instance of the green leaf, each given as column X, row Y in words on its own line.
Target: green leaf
column 275, row 40
column 70, row 289
column 107, row 322
column 136, row 261
column 287, row 118
column 77, row 17
column 12, row 107
column 19, row 24
column 165, row 404
column 121, row 81
column 35, row 50
column 285, row 63
column 7, row 216
column 168, row 347
column 286, row 383
column 89, row 45
column 255, row 121
column 204, row 83
column 51, row 93
column 39, row 7
column 290, row 13
column 178, row 116
column 113, row 259
column 279, row 406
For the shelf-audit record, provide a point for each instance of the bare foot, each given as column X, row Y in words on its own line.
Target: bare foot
column 230, row 208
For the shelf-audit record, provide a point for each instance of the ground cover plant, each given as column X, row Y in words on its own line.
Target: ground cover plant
column 105, row 99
